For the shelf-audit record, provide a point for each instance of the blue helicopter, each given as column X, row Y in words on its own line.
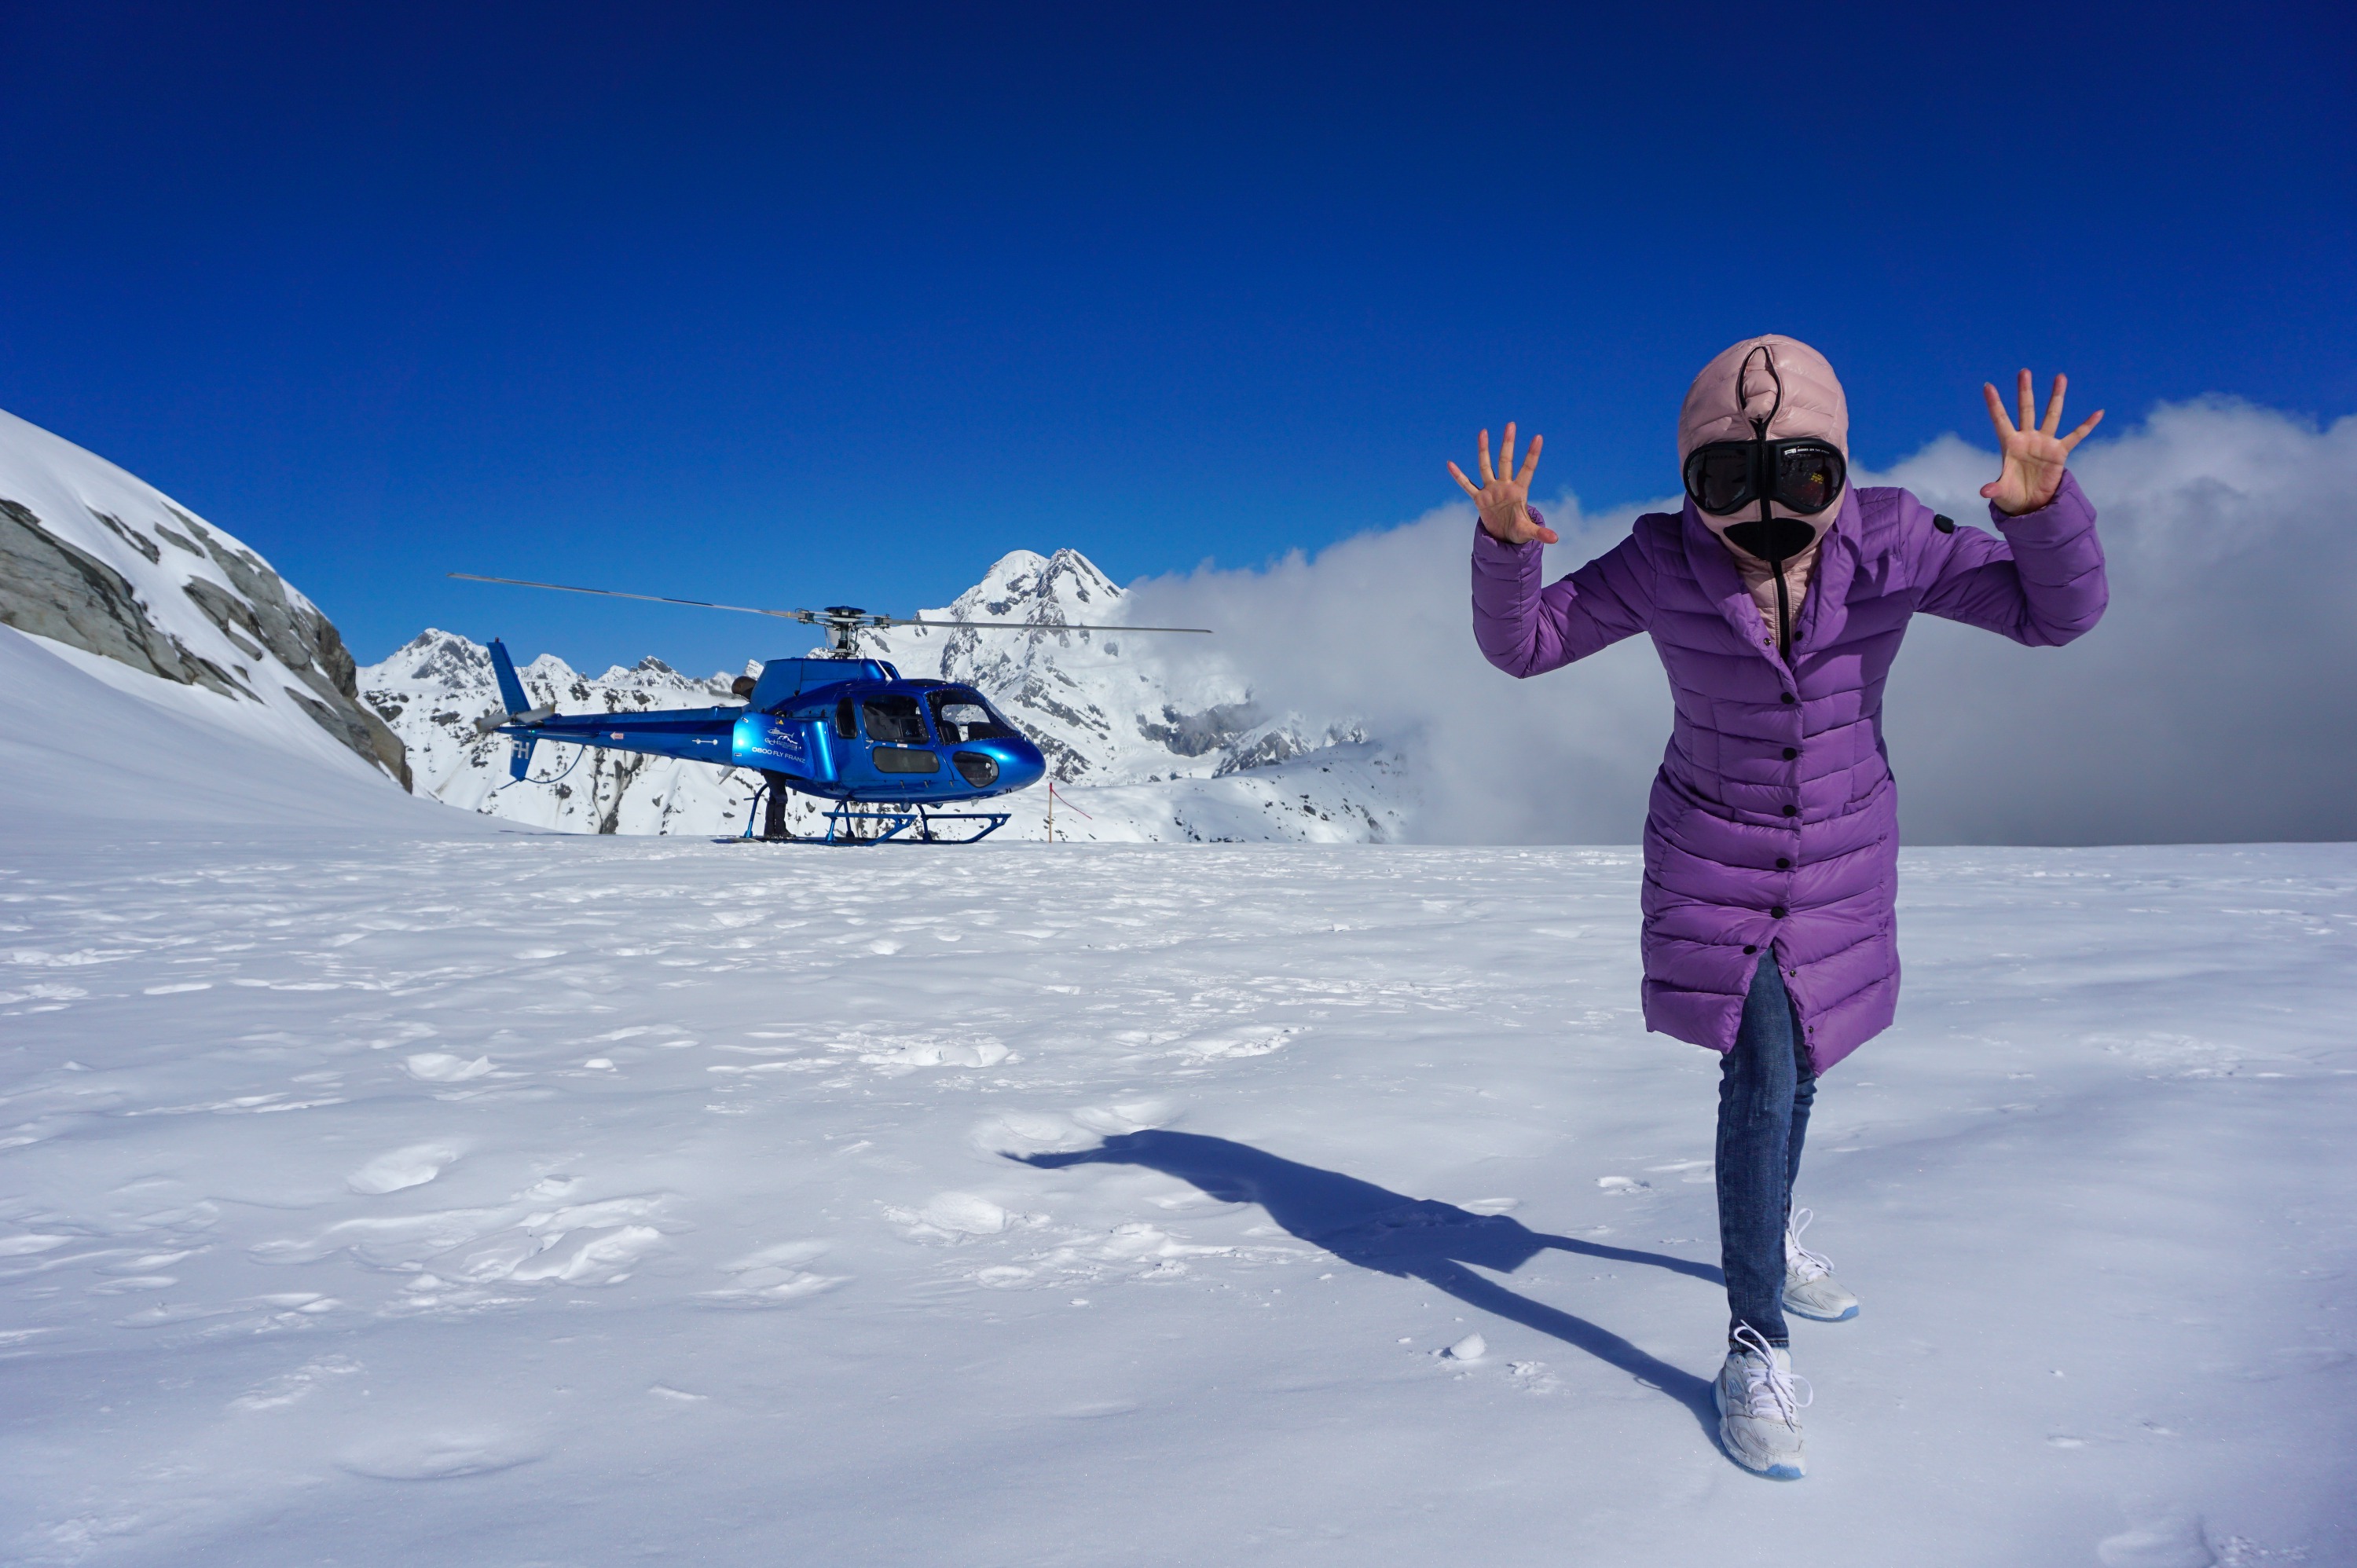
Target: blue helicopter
column 889, row 751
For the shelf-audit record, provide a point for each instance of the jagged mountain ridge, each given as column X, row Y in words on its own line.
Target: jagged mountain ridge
column 1146, row 740
column 98, row 560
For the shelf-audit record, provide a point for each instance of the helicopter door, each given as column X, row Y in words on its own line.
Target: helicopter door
column 894, row 720
column 901, row 747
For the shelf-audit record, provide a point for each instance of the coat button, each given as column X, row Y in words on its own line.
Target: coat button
column 1791, row 752
column 1791, row 811
column 1789, row 698
column 1748, row 948
column 1776, row 913
column 1783, row 863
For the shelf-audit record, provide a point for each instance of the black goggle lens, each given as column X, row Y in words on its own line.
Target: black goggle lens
column 1808, row 477
column 1724, row 476
column 1718, row 476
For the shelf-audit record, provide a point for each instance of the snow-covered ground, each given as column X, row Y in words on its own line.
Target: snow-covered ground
column 382, row 1186
column 384, row 1196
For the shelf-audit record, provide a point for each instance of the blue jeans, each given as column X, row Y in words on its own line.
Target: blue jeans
column 1765, row 1089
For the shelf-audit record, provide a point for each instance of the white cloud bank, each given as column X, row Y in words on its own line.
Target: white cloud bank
column 2217, row 701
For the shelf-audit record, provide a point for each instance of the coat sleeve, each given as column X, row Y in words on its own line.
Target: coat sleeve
column 1526, row 629
column 2042, row 584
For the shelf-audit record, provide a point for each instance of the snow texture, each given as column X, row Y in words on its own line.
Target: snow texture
column 382, row 1186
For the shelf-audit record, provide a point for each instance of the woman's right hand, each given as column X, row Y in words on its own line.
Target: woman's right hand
column 1505, row 496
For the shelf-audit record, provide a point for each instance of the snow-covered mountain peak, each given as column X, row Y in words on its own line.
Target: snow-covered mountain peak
column 438, row 657
column 1024, row 584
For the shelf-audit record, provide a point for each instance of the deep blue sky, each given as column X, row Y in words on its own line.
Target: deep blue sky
column 802, row 305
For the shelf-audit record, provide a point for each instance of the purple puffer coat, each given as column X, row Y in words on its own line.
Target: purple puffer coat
column 1774, row 821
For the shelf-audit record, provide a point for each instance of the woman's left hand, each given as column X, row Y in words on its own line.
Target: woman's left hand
column 2034, row 456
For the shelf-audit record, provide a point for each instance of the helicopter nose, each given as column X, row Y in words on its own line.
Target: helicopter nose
column 1019, row 762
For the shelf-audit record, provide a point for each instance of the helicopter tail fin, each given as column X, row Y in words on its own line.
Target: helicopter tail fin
column 511, row 695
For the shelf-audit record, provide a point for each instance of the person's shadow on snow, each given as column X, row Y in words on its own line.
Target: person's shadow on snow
column 1409, row 1237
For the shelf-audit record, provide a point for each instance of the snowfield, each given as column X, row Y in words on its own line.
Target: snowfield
column 381, row 1186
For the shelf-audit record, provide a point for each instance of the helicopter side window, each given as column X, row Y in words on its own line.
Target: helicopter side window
column 844, row 724
column 895, row 720
column 961, row 716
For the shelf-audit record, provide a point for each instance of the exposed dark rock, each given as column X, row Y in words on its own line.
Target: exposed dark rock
column 305, row 641
column 131, row 536
column 51, row 589
column 353, row 727
column 1192, row 734
column 1276, row 746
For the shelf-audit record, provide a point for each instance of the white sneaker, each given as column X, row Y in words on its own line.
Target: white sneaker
column 1760, row 1406
column 1810, row 1288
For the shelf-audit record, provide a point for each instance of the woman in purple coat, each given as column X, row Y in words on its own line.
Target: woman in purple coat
column 1777, row 598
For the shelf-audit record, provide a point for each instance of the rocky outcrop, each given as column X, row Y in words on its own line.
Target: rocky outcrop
column 53, row 588
column 303, row 640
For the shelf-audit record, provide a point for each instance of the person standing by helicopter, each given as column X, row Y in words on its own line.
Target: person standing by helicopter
column 1776, row 599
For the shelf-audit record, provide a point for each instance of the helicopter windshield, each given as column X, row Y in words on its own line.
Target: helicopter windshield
column 894, row 719
column 962, row 715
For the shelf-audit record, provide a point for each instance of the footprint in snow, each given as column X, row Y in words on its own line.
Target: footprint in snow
column 1230, row 1044
column 438, row 1455
column 438, row 1066
column 412, row 1167
column 290, row 1387
column 774, row 1277
column 957, row 1217
column 2162, row 1535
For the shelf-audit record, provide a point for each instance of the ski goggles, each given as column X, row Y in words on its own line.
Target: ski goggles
column 1804, row 476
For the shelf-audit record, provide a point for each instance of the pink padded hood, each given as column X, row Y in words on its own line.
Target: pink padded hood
column 1736, row 388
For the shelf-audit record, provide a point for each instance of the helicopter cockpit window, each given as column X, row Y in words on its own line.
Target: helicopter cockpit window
column 894, row 719
column 845, row 724
column 964, row 716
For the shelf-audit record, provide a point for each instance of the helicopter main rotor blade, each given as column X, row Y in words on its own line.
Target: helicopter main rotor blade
column 822, row 617
column 651, row 598
column 1040, row 626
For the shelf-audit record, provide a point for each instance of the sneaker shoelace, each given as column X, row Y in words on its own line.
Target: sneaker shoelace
column 1768, row 1389
column 1799, row 1262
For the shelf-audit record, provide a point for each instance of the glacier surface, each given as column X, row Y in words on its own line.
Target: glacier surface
column 383, row 1183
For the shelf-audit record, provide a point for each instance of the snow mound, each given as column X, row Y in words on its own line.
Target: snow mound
column 90, row 746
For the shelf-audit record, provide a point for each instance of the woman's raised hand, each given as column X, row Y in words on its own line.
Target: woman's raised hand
column 1505, row 496
column 2034, row 456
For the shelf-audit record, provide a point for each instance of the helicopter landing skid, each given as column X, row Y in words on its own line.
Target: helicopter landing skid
column 843, row 824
